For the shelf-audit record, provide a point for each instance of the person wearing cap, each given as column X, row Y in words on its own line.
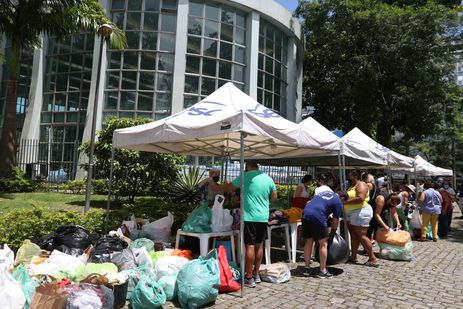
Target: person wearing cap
column 209, row 187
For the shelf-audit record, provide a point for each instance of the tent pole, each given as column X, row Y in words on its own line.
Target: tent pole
column 111, row 171
column 243, row 200
column 343, row 175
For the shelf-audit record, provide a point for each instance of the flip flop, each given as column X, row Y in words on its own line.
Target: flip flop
column 371, row 264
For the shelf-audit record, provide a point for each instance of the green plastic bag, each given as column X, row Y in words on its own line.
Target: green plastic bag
column 396, row 253
column 198, row 280
column 168, row 284
column 156, row 255
column 28, row 285
column 147, row 294
column 199, row 221
column 81, row 272
column 134, row 275
column 26, row 252
column 143, row 242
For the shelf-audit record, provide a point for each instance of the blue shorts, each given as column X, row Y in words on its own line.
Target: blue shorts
column 360, row 217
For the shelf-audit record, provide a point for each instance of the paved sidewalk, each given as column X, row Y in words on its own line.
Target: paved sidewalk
column 433, row 280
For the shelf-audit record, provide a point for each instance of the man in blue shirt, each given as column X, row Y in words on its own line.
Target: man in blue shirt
column 315, row 227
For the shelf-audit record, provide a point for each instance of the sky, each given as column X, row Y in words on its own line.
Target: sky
column 290, row 5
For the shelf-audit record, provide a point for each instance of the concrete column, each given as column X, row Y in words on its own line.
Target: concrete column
column 252, row 53
column 293, row 98
column 180, row 56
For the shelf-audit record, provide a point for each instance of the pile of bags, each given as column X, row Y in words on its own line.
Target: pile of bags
column 206, row 220
column 395, row 244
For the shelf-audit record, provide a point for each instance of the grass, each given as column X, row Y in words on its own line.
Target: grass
column 51, row 200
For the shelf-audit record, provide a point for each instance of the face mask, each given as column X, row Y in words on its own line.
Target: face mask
column 216, row 178
column 446, row 186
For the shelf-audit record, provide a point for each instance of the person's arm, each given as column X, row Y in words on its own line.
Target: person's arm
column 273, row 196
column 396, row 218
column 445, row 202
column 421, row 197
column 360, row 194
column 379, row 207
column 298, row 191
column 334, row 225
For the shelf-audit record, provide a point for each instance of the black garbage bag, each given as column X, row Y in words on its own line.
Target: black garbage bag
column 338, row 250
column 100, row 258
column 109, row 244
column 45, row 242
column 72, row 236
column 71, row 251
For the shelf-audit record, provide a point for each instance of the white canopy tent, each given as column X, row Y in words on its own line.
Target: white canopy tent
column 227, row 123
column 423, row 168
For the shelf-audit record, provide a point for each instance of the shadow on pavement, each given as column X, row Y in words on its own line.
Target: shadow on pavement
column 297, row 272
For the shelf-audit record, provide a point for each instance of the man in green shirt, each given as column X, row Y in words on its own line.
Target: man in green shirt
column 259, row 190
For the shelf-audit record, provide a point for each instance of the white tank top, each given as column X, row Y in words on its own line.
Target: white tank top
column 304, row 192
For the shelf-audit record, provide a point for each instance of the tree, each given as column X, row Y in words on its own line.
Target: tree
column 22, row 22
column 382, row 67
column 134, row 172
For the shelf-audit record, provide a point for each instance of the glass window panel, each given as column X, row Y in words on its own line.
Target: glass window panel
column 226, row 33
column 108, row 115
column 163, row 103
column 145, row 115
column 207, row 85
column 148, row 61
column 261, row 62
column 225, row 69
column 63, row 65
column 228, row 15
column 194, row 45
column 283, row 74
column 196, row 9
column 239, row 86
column 210, row 48
column 269, row 65
column 211, row 29
column 58, row 134
column 61, row 82
column 133, row 39
column 268, row 82
column 195, row 25
column 268, row 99
column 71, row 116
column 167, row 42
column 146, row 81
column 212, row 12
column 118, row 4
column 126, row 115
column 221, row 82
column 189, row 101
column 209, row 67
column 191, row 84
column 114, row 59
column 152, row 5
column 165, row 62
column 238, row 73
column 239, row 54
column 45, row 117
column 130, row 60
column 168, row 22
column 225, row 51
column 58, row 117
column 134, row 5
column 269, row 46
column 192, row 64
column 127, row 100
column 70, row 133
column 60, row 102
column 240, row 36
column 283, row 107
column 260, row 79
column 110, row 100
column 87, row 77
column 278, row 45
column 77, row 62
column 276, row 103
column 73, row 101
column 284, row 51
column 129, row 80
column 277, row 86
column 240, row 20
column 169, row 4
column 164, row 82
column 277, row 69
column 68, row 152
column 260, row 96
column 133, row 21
column 151, row 22
column 145, row 101
column 150, row 40
column 88, row 62
column 261, row 44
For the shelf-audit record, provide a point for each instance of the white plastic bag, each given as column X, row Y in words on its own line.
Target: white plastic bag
column 131, row 224
column 169, row 266
column 6, row 258
column 275, row 273
column 416, row 219
column 142, row 257
column 57, row 261
column 159, row 230
column 11, row 295
column 221, row 219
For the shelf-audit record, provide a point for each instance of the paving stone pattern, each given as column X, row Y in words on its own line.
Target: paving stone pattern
column 433, row 280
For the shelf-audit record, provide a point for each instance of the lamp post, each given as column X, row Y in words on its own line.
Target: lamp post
column 104, row 31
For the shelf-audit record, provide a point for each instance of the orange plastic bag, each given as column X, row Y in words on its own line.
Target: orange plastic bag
column 294, row 214
column 395, row 238
column 183, row 253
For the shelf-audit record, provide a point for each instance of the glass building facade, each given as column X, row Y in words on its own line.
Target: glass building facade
column 178, row 53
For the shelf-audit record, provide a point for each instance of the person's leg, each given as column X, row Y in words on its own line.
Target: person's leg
column 365, row 241
column 425, row 217
column 434, row 224
column 249, row 259
column 259, row 253
column 308, row 251
column 354, row 242
column 450, row 215
column 323, row 252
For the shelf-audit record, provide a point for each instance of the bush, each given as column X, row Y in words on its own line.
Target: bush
column 73, row 186
column 100, row 186
column 17, row 182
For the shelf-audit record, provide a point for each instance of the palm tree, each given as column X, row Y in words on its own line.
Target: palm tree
column 22, row 22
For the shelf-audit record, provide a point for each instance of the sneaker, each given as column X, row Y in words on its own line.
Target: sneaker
column 307, row 271
column 249, row 282
column 256, row 278
column 325, row 274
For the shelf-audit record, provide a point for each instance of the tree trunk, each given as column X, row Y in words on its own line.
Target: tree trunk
column 383, row 133
column 8, row 138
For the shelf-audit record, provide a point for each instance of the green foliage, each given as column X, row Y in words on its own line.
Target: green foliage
column 378, row 66
column 183, row 188
column 17, row 182
column 135, row 172
column 100, row 186
column 285, row 191
column 73, row 186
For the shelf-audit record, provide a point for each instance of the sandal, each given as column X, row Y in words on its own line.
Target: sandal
column 351, row 261
column 371, row 264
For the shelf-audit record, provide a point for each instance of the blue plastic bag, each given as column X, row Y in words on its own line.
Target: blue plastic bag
column 28, row 284
column 198, row 280
column 199, row 221
column 168, row 284
column 147, row 294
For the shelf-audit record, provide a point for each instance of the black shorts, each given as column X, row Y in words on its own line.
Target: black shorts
column 313, row 230
column 254, row 232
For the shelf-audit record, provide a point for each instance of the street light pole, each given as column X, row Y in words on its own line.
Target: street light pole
column 104, row 31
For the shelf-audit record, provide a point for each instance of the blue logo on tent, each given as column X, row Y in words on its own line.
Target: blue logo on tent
column 266, row 113
column 204, row 111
